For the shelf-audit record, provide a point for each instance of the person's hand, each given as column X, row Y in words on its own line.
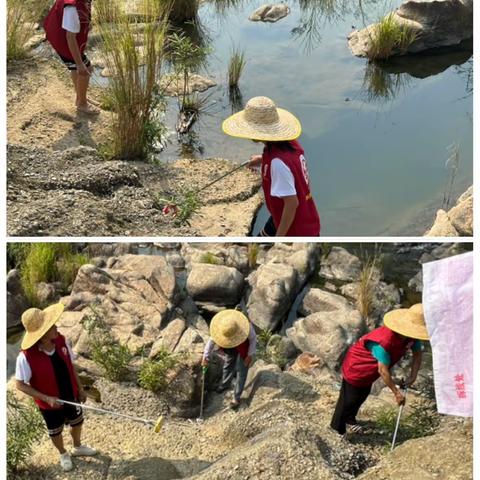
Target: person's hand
column 399, row 398
column 255, row 161
column 83, row 70
column 82, row 396
column 52, row 401
column 248, row 360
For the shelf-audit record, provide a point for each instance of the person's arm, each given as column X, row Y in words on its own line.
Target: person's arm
column 71, row 24
column 384, row 372
column 208, row 350
column 416, row 364
column 255, row 161
column 290, row 205
column 29, row 390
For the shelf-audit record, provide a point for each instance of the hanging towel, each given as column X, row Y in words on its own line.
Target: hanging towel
column 448, row 310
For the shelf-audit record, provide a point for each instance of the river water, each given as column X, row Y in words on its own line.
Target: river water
column 376, row 142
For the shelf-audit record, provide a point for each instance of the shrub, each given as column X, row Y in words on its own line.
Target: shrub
column 269, row 348
column 107, row 352
column 235, row 67
column 134, row 94
column 16, row 254
column 153, row 372
column 210, row 258
column 182, row 206
column 24, row 428
column 389, row 36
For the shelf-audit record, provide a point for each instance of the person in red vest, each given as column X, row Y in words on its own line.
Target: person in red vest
column 45, row 371
column 372, row 357
column 66, row 27
column 235, row 335
column 283, row 166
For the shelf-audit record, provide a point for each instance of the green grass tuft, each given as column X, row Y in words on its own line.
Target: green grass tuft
column 235, row 67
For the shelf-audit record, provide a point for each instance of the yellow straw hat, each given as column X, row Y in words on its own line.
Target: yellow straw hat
column 38, row 322
column 262, row 120
column 229, row 328
column 409, row 322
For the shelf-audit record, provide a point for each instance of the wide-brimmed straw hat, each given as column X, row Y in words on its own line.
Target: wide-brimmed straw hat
column 408, row 322
column 229, row 328
column 38, row 322
column 262, row 120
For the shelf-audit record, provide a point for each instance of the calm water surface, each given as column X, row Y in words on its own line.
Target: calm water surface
column 376, row 142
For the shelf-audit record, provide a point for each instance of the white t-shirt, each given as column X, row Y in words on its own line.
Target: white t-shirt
column 283, row 183
column 23, row 372
column 71, row 20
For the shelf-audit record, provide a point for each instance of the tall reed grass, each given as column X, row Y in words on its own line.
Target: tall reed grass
column 236, row 66
column 133, row 49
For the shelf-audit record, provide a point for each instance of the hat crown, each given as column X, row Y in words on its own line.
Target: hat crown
column 417, row 311
column 230, row 328
column 33, row 319
column 261, row 110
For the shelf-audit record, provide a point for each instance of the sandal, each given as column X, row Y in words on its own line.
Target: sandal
column 356, row 429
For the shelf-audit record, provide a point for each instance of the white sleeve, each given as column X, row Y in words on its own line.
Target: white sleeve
column 71, row 20
column 23, row 372
column 70, row 351
column 283, row 183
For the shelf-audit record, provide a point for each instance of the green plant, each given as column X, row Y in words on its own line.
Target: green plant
column 389, row 36
column 16, row 254
column 236, row 66
column 107, row 352
column 184, row 11
column 210, row 258
column 24, row 429
column 252, row 253
column 153, row 374
column 182, row 207
column 270, row 348
column 133, row 92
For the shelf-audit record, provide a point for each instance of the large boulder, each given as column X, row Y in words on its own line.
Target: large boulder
column 16, row 301
column 169, row 337
column 135, row 297
column 269, row 13
column 434, row 23
column 340, row 266
column 235, row 256
column 215, row 284
column 274, row 287
column 329, row 332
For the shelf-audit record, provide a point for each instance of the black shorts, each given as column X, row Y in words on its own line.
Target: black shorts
column 71, row 65
column 268, row 230
column 57, row 418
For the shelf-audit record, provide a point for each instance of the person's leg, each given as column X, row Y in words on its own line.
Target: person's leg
column 74, row 76
column 338, row 421
column 355, row 399
column 228, row 371
column 268, row 230
column 57, row 440
column 55, row 420
column 242, row 372
column 75, row 419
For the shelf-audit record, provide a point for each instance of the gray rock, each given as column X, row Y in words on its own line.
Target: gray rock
column 442, row 227
column 317, row 300
column 274, row 287
column 215, row 284
column 269, row 13
column 434, row 23
column 461, row 217
column 169, row 337
column 16, row 301
column 340, row 266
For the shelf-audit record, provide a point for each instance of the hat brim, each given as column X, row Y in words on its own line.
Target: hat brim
column 52, row 314
column 232, row 341
column 401, row 321
column 287, row 128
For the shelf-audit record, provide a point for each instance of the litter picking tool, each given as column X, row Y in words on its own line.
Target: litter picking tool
column 204, row 371
column 157, row 424
column 399, row 416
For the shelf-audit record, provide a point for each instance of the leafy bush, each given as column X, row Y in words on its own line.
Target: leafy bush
column 210, row 258
column 24, row 428
column 107, row 352
column 153, row 372
column 270, row 349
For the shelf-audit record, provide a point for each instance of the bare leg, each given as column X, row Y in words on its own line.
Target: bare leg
column 74, row 75
column 57, row 440
column 76, row 433
column 82, row 87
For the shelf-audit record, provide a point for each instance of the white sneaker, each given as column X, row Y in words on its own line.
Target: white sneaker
column 66, row 462
column 83, row 451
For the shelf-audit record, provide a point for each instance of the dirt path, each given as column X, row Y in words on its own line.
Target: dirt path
column 59, row 185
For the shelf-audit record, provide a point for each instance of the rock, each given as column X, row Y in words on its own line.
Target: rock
column 169, row 337
column 217, row 284
column 269, row 13
column 340, row 266
column 191, row 342
column 328, row 333
column 46, row 293
column 317, row 300
column 109, row 249
column 461, row 217
column 196, row 83
column 16, row 301
column 434, row 24
column 442, row 227
column 274, row 287
column 235, row 256
column 175, row 260
column 306, row 362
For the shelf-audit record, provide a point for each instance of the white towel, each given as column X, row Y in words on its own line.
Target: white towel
column 448, row 309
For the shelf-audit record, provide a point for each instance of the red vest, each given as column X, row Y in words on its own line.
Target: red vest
column 307, row 221
column 43, row 376
column 57, row 36
column 360, row 367
column 242, row 349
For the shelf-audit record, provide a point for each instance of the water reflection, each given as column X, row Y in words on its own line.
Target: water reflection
column 382, row 86
column 235, row 99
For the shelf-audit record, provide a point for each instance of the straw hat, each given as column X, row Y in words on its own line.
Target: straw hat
column 409, row 322
column 37, row 323
column 229, row 328
column 262, row 120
